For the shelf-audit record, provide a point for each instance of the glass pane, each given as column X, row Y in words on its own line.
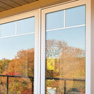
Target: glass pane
column 74, row 37
column 65, row 61
column 17, row 55
column 17, row 59
column 8, row 29
column 26, row 25
column 21, row 85
column 65, row 54
column 55, row 20
column 75, row 16
column 3, row 85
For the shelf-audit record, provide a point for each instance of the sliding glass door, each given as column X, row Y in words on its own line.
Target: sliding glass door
column 65, row 50
column 46, row 51
column 17, row 56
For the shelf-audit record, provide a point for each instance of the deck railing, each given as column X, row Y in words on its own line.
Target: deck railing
column 47, row 78
column 65, row 79
column 7, row 76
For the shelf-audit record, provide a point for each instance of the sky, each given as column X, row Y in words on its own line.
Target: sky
column 10, row 46
column 73, row 16
column 75, row 37
column 23, row 26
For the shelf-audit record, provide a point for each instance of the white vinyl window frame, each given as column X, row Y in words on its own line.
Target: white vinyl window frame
column 21, row 16
column 39, row 64
column 59, row 7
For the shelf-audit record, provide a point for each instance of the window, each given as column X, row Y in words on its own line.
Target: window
column 64, row 59
column 17, row 56
column 65, row 51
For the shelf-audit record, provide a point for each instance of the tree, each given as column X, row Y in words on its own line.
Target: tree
column 69, row 62
column 23, row 63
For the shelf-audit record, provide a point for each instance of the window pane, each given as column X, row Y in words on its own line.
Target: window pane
column 26, row 25
column 55, row 20
column 17, row 59
column 75, row 16
column 17, row 55
column 8, row 29
column 65, row 57
column 21, row 85
column 65, row 60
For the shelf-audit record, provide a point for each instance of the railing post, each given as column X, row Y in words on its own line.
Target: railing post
column 64, row 86
column 32, row 85
column 7, row 83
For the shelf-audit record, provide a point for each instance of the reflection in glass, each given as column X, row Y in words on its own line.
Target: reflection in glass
column 3, row 85
column 20, row 85
column 65, row 61
column 53, row 86
column 26, row 25
column 17, row 60
column 75, row 16
column 55, row 20
column 75, row 87
column 8, row 29
column 16, row 53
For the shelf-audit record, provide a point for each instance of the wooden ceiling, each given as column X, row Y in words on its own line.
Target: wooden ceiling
column 9, row 4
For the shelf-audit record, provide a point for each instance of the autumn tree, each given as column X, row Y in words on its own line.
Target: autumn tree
column 69, row 62
column 23, row 64
column 66, row 58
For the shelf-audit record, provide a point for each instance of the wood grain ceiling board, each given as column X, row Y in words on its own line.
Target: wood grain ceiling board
column 5, row 6
column 20, row 2
column 10, row 3
column 1, row 9
column 30, row 1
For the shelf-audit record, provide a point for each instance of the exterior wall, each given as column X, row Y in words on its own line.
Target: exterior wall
column 31, row 6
